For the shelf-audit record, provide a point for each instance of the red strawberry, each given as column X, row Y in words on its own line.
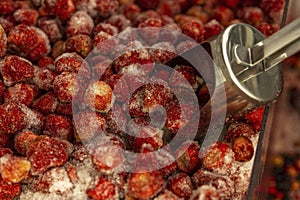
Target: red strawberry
column 145, row 185
column 255, row 117
column 105, row 189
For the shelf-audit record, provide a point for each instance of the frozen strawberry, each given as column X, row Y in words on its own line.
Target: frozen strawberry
column 150, row 30
column 5, row 150
column 146, row 15
column 218, row 157
column 51, row 27
column 187, row 157
column 104, row 43
column 12, row 118
column 81, row 44
column 150, row 136
column 206, row 192
column 119, row 21
column 131, row 11
column 138, row 56
column 273, row 9
column 99, row 96
column 61, row 8
column 212, row 28
column 9, row 190
column 68, row 62
column 46, row 103
column 22, row 93
column 65, row 86
column 26, row 16
column 3, row 41
column 88, row 124
column 108, row 156
column 135, row 75
column 223, row 184
column 56, row 180
column 156, row 94
column 6, row 24
column 181, row 185
column 13, row 168
column 237, row 129
column 255, row 117
column 251, row 15
column 268, row 29
column 135, row 104
column 194, row 29
column 7, row 7
column 169, row 8
column 43, row 78
column 145, row 185
column 116, row 120
column 15, row 69
column 107, row 8
column 58, row 126
column 23, row 140
column 105, row 27
column 79, row 23
column 163, row 52
column 243, row 149
column 185, row 76
column 46, row 152
column 223, row 14
column 28, row 41
column 104, row 189
column 146, row 5
column 178, row 116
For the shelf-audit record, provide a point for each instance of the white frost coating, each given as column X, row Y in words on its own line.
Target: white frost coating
column 81, row 18
column 61, row 181
column 133, row 69
column 166, row 46
column 85, row 178
column 32, row 118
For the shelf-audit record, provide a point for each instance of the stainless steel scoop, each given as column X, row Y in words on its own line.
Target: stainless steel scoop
column 249, row 61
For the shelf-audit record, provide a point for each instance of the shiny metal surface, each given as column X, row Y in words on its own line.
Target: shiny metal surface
column 249, row 82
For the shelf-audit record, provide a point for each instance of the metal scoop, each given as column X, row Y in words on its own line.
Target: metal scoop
column 250, row 61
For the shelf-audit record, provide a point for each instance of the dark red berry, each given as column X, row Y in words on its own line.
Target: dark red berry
column 243, row 149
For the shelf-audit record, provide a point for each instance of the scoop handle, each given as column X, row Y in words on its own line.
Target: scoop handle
column 272, row 50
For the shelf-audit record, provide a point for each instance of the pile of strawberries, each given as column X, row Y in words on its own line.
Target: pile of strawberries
column 50, row 147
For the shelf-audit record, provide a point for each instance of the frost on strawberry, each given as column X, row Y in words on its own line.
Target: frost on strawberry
column 46, row 152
